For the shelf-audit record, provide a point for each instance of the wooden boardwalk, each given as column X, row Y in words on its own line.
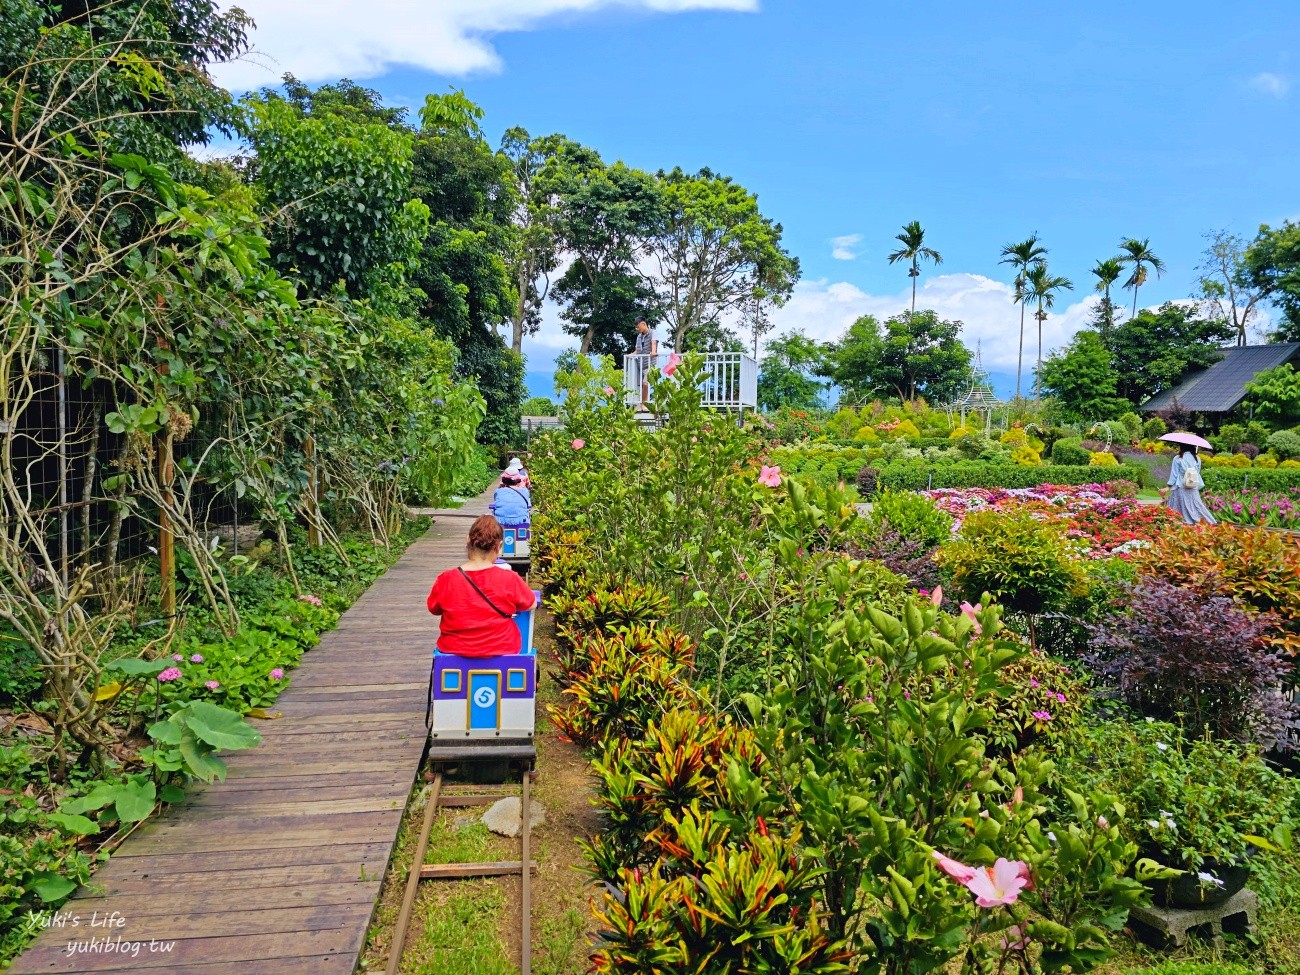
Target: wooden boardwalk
column 276, row 871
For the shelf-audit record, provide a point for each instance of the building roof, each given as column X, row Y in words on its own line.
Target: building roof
column 1221, row 387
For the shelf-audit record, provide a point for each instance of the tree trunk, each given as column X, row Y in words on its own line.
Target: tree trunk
column 1020, row 357
column 1135, row 299
column 1038, row 375
column 916, row 272
column 587, row 338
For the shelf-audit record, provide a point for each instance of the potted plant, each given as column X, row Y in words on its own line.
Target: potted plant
column 1191, row 805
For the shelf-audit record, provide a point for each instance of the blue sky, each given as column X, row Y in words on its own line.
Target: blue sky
column 1162, row 120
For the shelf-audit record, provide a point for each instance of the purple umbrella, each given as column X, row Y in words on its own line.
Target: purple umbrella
column 1191, row 439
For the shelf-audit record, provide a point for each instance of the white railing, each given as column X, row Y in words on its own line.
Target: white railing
column 730, row 379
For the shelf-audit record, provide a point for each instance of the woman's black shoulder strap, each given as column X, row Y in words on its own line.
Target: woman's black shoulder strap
column 483, row 595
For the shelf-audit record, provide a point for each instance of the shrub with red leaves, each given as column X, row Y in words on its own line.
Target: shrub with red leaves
column 1203, row 661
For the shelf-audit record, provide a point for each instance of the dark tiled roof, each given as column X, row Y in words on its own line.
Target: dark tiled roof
column 1222, row 386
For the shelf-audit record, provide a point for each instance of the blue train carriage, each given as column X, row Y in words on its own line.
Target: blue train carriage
column 481, row 699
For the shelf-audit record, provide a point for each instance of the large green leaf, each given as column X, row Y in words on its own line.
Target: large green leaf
column 70, row 823
column 136, row 799
column 201, row 762
column 51, row 887
column 135, row 667
column 219, row 727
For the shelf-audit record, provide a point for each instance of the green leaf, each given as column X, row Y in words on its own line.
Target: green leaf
column 135, row 667
column 69, row 823
column 201, row 762
column 168, row 731
column 172, row 794
column 219, row 727
column 136, row 800
column 52, row 887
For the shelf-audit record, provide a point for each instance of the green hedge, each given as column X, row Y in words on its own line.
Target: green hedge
column 1069, row 452
column 903, row 475
column 1260, row 478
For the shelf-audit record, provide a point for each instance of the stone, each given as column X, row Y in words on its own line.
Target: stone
column 1235, row 915
column 503, row 816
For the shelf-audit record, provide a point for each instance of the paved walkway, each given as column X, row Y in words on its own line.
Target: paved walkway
column 276, row 871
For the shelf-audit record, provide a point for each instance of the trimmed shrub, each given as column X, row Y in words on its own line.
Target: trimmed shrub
column 917, row 476
column 1231, row 436
column 1133, row 424
column 913, row 516
column 1227, row 478
column 1246, row 449
column 1067, row 451
column 1102, row 459
column 1285, row 444
column 1268, row 462
column 865, row 480
column 1154, row 428
column 1026, row 456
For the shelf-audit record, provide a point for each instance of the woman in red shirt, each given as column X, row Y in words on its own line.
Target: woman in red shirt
column 478, row 599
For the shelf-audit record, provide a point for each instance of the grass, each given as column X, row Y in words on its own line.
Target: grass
column 459, row 937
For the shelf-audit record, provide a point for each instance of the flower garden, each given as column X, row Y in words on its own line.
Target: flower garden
column 969, row 731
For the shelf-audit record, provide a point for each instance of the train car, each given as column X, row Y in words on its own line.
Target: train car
column 515, row 548
column 485, row 700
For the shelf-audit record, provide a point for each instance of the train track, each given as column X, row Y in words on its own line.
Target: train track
column 523, row 868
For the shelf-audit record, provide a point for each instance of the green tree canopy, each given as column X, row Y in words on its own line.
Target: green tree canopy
column 788, row 374
column 1153, row 350
column 1272, row 264
column 1083, row 380
column 712, row 251
column 1275, row 395
column 914, row 355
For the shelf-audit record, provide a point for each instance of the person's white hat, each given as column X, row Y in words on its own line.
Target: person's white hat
column 515, row 464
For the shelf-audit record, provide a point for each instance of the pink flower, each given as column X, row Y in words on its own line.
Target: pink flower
column 196, row 658
column 674, row 361
column 277, row 673
column 1042, row 716
column 957, row 871
column 1032, row 682
column 1103, row 822
column 936, row 597
column 999, row 884
column 969, row 612
column 177, row 657
column 1014, row 939
column 608, row 390
column 171, row 673
column 579, row 444
column 213, row 685
column 308, row 598
column 770, row 476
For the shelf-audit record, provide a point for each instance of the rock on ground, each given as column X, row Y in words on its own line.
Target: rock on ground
column 503, row 817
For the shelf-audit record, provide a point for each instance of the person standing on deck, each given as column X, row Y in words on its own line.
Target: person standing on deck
column 648, row 346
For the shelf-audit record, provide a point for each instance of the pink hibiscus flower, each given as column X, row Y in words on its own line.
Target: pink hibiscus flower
column 969, row 612
column 957, row 871
column 579, row 444
column 770, row 476
column 674, row 361
column 999, row 884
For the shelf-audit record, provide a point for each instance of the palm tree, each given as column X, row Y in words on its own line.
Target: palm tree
column 1042, row 287
column 1138, row 253
column 1028, row 253
column 913, row 250
column 1106, row 272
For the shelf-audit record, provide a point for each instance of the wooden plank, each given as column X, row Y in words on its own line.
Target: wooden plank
column 480, row 800
column 413, row 880
column 276, row 870
column 453, row 871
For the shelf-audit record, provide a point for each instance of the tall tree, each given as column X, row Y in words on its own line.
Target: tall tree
column 713, row 252
column 607, row 309
column 916, row 354
column 1138, row 253
column 1106, row 272
column 914, row 250
column 1226, row 287
column 788, row 375
column 1021, row 257
column 1153, row 350
column 1272, row 265
column 1083, row 380
column 604, row 215
column 534, row 255
column 1042, row 287
column 468, row 294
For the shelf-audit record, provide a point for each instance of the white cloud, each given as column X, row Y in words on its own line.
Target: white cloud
column 1268, row 83
column 845, row 248
column 335, row 38
column 824, row 310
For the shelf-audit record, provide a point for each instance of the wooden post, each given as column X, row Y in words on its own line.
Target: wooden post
column 166, row 541
column 313, row 502
column 525, row 882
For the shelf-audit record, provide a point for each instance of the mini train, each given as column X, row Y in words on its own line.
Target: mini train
column 485, row 700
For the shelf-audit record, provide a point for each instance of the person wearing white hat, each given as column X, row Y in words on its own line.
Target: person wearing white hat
column 516, row 467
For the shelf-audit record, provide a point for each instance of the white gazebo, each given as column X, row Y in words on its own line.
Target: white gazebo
column 979, row 398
